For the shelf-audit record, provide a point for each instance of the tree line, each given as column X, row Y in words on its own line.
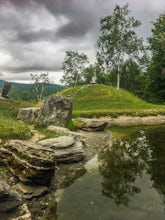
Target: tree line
column 122, row 58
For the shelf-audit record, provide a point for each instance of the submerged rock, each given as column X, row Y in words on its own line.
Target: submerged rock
column 29, row 161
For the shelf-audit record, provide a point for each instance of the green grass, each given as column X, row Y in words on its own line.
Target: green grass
column 101, row 100
column 10, row 127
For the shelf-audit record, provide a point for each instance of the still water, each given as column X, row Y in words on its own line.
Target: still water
column 127, row 181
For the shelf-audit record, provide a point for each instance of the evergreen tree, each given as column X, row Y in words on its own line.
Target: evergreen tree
column 156, row 68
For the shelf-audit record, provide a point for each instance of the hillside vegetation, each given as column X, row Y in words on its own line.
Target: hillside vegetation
column 10, row 127
column 101, row 100
column 23, row 91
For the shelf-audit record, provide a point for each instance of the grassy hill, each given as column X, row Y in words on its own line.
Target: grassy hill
column 102, row 100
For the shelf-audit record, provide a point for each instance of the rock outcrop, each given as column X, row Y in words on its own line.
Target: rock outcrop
column 55, row 110
column 29, row 161
column 9, row 199
column 66, row 149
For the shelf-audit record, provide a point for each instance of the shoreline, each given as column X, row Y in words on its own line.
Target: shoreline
column 124, row 121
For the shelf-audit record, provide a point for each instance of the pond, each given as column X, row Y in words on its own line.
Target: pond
column 126, row 182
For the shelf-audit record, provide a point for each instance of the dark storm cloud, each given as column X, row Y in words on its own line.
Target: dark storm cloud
column 34, row 34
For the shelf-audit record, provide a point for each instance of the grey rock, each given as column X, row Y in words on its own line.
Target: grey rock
column 30, row 191
column 62, row 130
column 19, row 213
column 28, row 114
column 9, row 199
column 29, row 161
column 60, row 142
column 92, row 125
column 55, row 110
column 75, row 153
column 58, row 129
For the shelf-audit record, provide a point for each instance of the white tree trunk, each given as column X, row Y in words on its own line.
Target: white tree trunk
column 118, row 78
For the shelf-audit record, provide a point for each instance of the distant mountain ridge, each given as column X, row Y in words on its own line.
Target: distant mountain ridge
column 24, row 91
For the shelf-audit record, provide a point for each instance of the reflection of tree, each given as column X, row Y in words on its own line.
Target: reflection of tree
column 156, row 166
column 120, row 165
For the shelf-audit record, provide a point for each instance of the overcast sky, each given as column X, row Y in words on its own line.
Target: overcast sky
column 34, row 34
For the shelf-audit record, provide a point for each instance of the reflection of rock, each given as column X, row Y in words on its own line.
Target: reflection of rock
column 29, row 161
column 92, row 125
column 30, row 191
column 67, row 150
column 9, row 199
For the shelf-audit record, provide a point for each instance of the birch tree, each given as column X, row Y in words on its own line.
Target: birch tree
column 118, row 40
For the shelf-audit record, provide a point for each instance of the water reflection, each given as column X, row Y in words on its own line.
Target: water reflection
column 128, row 159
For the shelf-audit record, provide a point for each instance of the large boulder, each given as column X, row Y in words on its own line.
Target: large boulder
column 55, row 110
column 66, row 148
column 9, row 199
column 29, row 161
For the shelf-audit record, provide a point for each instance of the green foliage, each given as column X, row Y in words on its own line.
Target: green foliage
column 118, row 41
column 9, row 126
column 101, row 100
column 156, row 69
column 71, row 126
column 74, row 68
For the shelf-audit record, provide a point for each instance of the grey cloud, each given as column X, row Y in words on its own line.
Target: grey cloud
column 35, row 36
column 34, row 46
column 38, row 67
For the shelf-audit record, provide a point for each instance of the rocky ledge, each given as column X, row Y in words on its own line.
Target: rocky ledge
column 29, row 161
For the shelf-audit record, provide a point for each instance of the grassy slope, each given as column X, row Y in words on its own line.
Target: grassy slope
column 9, row 126
column 101, row 100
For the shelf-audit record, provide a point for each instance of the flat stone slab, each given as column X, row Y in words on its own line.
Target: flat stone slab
column 75, row 153
column 57, row 143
